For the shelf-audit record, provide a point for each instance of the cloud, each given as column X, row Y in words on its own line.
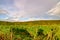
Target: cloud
column 28, row 9
column 55, row 10
column 34, row 7
column 3, row 11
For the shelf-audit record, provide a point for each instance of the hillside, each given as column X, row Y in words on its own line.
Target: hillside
column 39, row 22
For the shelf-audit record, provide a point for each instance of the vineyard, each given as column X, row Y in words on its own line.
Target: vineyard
column 33, row 30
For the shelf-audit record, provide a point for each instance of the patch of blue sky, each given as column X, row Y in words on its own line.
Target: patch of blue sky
column 3, row 16
column 6, row 2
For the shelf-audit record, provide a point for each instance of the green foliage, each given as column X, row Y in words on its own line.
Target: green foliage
column 30, row 32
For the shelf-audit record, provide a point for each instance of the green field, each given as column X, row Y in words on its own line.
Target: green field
column 33, row 30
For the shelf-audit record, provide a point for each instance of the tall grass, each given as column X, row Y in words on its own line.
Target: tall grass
column 29, row 32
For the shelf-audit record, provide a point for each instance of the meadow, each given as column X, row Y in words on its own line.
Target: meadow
column 33, row 30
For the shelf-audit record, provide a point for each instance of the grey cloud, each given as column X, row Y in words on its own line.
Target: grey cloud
column 35, row 7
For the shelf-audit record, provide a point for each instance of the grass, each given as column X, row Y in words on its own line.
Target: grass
column 30, row 30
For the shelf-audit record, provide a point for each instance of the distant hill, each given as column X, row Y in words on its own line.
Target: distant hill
column 39, row 22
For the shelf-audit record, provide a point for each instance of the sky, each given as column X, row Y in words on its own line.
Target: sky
column 25, row 10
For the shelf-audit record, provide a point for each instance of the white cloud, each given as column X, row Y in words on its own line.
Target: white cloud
column 55, row 10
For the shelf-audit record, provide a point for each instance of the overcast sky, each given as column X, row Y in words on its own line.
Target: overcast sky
column 29, row 9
